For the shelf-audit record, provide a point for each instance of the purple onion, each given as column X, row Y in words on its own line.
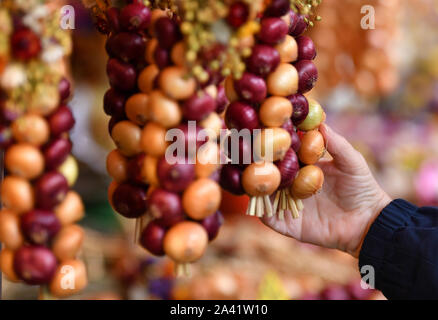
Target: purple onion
column 300, row 108
column 245, row 155
column 251, row 88
column 288, row 168
column 114, row 103
column 190, row 138
column 113, row 18
column 121, row 75
column 293, row 21
column 161, row 57
column 135, row 17
column 273, row 30
column 212, row 224
column 263, row 60
column 175, row 177
column 238, row 14
column 64, row 89
column 166, row 32
column 221, row 100
column 61, row 121
column 230, row 179
column 152, row 238
column 307, row 74
column 56, row 152
column 135, row 168
column 241, row 115
column 300, row 26
column 35, row 265
column 198, row 106
column 50, row 190
column 306, row 48
column 40, row 226
column 166, row 207
column 130, row 200
column 278, row 8
column 126, row 46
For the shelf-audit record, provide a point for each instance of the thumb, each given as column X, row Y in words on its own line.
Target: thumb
column 345, row 157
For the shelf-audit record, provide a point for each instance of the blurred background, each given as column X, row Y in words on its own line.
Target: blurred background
column 378, row 87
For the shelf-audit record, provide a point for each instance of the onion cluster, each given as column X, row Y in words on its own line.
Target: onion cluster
column 269, row 100
column 39, row 209
column 175, row 204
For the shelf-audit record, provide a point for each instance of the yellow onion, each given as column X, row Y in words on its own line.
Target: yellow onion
column 178, row 54
column 71, row 209
column 68, row 242
column 163, row 110
column 288, row 49
column 230, row 92
column 275, row 111
column 185, row 242
column 308, row 182
column 24, row 160
column 17, row 194
column 312, row 147
column 117, row 166
column 176, row 84
column 32, row 129
column 70, row 278
column 126, row 136
column 201, row 199
column 69, row 169
column 208, row 160
column 149, row 170
column 213, row 125
column 153, row 139
column 151, row 46
column 260, row 179
column 10, row 233
column 146, row 79
column 7, row 265
column 44, row 100
column 283, row 81
column 136, row 108
column 272, row 144
column 314, row 118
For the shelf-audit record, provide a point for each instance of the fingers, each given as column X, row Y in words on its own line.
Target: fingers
column 345, row 157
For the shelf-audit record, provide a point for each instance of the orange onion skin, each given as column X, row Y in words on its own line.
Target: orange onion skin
column 312, row 147
column 308, row 182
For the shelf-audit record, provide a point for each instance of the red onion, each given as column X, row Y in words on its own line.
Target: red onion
column 61, row 121
column 113, row 18
column 50, row 190
column 212, row 224
column 278, row 8
column 296, row 142
column 40, row 226
column 241, row 115
column 134, row 169
column 114, row 103
column 198, row 107
column 135, row 17
column 190, row 138
column 175, row 177
column 288, row 168
column 126, row 46
column 64, row 89
column 244, row 149
column 230, row 179
column 293, row 21
column 35, row 265
column 306, row 48
column 238, row 14
column 152, row 238
column 167, row 32
column 56, row 152
column 300, row 27
column 272, row 30
column 130, row 200
column 300, row 106
column 113, row 121
column 166, row 207
column 221, row 99
column 161, row 57
column 263, row 60
column 308, row 75
column 121, row 75
column 25, row 44
column 251, row 88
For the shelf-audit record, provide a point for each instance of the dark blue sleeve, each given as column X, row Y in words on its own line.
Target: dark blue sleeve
column 402, row 246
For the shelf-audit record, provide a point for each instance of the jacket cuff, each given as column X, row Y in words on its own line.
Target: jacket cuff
column 378, row 247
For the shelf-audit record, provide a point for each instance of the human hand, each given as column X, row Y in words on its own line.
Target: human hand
column 341, row 214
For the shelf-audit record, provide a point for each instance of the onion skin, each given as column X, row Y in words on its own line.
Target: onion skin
column 314, row 118
column 175, row 177
column 69, row 268
column 230, row 92
column 307, row 74
column 32, row 129
column 174, row 84
column 136, row 108
column 152, row 238
column 230, row 179
column 71, row 209
column 199, row 106
column 300, row 108
column 260, row 179
column 275, row 111
column 153, row 139
column 201, row 199
column 240, row 115
column 272, row 30
column 35, row 265
column 117, row 166
column 306, row 48
column 17, row 194
column 24, row 160
column 186, row 242
column 129, row 200
column 146, row 79
column 308, row 182
column 263, row 60
column 7, row 265
column 283, row 81
column 288, row 50
column 166, row 207
column 212, row 224
column 251, row 88
column 312, row 147
column 10, row 233
column 288, row 168
column 68, row 242
column 163, row 110
column 40, row 226
column 126, row 136
column 278, row 138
